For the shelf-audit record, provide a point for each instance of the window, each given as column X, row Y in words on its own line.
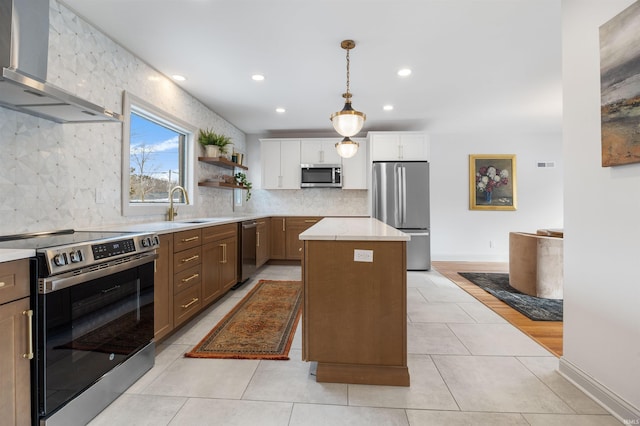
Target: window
column 157, row 155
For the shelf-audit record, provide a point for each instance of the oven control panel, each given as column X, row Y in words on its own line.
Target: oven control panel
column 66, row 258
column 110, row 249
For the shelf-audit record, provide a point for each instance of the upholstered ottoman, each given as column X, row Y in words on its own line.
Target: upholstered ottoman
column 536, row 264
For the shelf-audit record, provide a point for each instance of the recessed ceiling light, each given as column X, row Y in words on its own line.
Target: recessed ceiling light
column 257, row 77
column 280, row 110
column 404, row 72
column 178, row 77
column 388, row 107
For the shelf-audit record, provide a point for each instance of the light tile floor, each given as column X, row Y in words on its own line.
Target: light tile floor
column 468, row 366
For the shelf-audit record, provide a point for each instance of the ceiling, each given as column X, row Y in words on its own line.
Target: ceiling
column 477, row 65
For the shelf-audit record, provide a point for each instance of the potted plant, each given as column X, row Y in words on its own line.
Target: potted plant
column 241, row 179
column 214, row 144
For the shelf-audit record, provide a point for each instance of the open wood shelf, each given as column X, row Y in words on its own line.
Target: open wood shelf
column 222, row 162
column 221, row 185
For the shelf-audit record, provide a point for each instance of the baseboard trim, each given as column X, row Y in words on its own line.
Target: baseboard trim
column 611, row 402
column 470, row 257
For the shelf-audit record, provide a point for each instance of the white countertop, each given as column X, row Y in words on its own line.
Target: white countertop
column 7, row 255
column 165, row 227
column 353, row 229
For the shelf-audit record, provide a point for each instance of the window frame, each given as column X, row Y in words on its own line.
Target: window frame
column 132, row 103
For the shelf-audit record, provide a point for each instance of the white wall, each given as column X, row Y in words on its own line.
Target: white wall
column 49, row 172
column 602, row 206
column 476, row 235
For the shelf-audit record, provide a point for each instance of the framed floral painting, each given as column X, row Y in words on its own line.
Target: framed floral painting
column 492, row 182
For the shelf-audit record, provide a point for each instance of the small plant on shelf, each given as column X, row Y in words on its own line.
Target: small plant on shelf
column 241, row 179
column 209, row 138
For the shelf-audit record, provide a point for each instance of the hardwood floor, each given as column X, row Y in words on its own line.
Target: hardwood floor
column 547, row 333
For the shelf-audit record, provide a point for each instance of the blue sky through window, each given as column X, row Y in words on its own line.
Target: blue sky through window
column 161, row 145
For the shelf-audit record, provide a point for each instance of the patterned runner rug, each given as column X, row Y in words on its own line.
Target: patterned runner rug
column 260, row 326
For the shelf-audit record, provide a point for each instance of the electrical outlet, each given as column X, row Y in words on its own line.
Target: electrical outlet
column 99, row 196
column 490, row 243
column 362, row 255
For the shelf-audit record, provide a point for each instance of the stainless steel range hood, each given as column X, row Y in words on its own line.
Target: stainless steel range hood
column 24, row 45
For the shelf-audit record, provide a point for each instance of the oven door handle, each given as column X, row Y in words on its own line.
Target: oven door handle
column 58, row 282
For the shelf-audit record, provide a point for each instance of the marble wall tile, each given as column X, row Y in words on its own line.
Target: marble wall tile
column 49, row 172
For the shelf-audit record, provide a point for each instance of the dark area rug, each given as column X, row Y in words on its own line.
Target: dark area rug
column 260, row 326
column 534, row 308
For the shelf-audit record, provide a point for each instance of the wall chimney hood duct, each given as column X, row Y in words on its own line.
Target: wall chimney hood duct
column 24, row 45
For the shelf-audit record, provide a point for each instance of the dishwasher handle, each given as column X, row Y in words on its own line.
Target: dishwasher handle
column 249, row 225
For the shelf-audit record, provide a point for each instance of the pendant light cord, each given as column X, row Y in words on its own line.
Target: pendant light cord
column 347, row 95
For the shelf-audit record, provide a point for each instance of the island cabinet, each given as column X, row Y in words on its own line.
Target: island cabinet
column 263, row 250
column 219, row 260
column 163, row 288
column 285, row 231
column 16, row 349
column 354, row 322
column 187, row 274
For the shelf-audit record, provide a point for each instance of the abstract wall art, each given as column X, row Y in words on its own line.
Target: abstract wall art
column 620, row 87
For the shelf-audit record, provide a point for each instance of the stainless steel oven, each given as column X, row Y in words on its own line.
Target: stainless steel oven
column 93, row 301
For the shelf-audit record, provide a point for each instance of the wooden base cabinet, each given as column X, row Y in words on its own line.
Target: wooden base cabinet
column 295, row 226
column 15, row 323
column 163, row 288
column 355, row 314
column 187, row 275
column 220, row 260
column 277, row 237
column 285, row 232
column 263, row 241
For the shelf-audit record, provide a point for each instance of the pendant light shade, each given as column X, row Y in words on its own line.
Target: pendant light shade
column 347, row 122
column 347, row 148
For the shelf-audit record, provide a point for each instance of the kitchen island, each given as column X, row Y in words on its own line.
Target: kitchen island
column 354, row 322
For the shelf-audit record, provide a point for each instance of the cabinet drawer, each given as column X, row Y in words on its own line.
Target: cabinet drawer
column 303, row 221
column 219, row 232
column 187, row 279
column 14, row 280
column 187, row 239
column 186, row 259
column 186, row 304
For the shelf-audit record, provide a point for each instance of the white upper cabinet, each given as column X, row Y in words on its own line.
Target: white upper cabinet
column 399, row 146
column 319, row 151
column 355, row 169
column 280, row 160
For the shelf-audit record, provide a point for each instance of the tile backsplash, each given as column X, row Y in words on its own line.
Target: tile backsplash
column 50, row 173
column 55, row 176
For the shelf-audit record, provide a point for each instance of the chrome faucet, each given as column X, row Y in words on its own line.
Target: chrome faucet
column 173, row 213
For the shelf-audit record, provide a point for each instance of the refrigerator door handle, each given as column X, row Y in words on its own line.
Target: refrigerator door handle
column 404, row 195
column 398, row 212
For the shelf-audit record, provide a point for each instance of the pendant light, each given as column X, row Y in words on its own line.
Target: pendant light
column 347, row 148
column 347, row 122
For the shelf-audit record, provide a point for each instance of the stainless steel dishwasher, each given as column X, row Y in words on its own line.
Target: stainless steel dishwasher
column 247, row 250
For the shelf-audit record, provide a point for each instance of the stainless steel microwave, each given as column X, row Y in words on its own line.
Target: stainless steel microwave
column 321, row 176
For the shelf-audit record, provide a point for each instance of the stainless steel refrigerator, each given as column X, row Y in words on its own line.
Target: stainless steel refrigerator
column 400, row 194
